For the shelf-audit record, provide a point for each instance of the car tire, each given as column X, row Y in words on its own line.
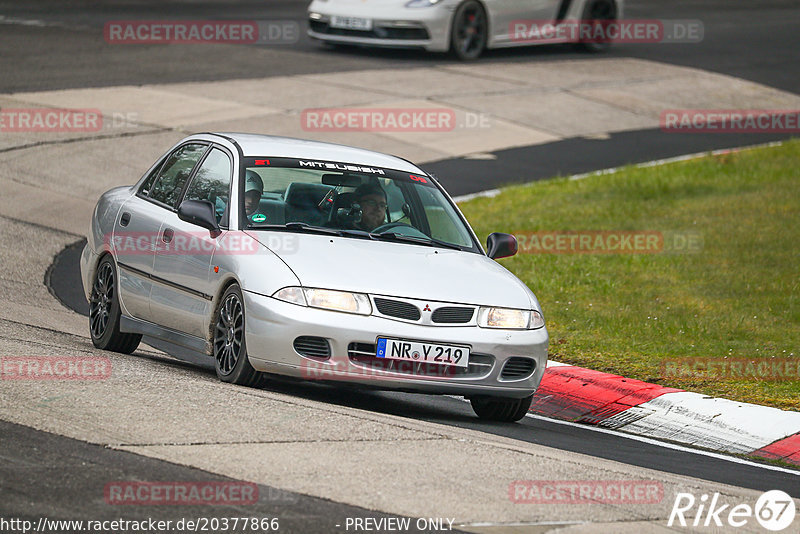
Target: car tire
column 469, row 31
column 501, row 409
column 598, row 12
column 228, row 341
column 104, row 311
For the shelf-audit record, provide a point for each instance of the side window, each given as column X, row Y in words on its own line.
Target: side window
column 175, row 172
column 148, row 183
column 212, row 182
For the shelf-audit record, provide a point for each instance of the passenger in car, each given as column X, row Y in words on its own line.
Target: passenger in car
column 253, row 188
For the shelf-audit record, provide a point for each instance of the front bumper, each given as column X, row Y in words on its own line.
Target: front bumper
column 88, row 265
column 273, row 326
column 427, row 29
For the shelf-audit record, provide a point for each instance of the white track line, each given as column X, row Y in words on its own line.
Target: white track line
column 668, row 445
column 650, row 441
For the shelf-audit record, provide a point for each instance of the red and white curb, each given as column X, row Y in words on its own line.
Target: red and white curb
column 584, row 396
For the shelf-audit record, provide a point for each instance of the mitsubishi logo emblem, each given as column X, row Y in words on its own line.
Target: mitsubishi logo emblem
column 427, row 308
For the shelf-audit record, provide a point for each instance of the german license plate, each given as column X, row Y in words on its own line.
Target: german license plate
column 351, row 23
column 414, row 351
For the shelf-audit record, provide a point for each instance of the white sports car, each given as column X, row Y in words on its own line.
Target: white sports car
column 465, row 27
column 266, row 255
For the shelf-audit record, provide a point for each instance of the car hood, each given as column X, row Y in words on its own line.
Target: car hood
column 397, row 269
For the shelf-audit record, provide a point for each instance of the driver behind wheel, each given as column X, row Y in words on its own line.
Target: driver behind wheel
column 372, row 199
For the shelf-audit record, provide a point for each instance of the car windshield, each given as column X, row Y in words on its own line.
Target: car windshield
column 350, row 200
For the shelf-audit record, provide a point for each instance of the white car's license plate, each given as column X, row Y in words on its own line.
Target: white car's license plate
column 351, row 23
column 414, row 351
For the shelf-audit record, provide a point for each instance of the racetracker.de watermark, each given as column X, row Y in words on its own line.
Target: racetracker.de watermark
column 54, row 368
column 14, row 120
column 368, row 368
column 52, row 120
column 390, row 120
column 258, row 32
column 586, row 491
column 730, row 121
column 180, row 493
column 767, row 369
column 608, row 242
column 606, row 31
column 199, row 243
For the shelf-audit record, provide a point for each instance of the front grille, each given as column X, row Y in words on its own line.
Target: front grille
column 397, row 308
column 313, row 347
column 364, row 355
column 453, row 315
column 518, row 368
column 379, row 32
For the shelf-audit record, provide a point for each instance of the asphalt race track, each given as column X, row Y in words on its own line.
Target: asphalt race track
column 322, row 455
column 754, row 41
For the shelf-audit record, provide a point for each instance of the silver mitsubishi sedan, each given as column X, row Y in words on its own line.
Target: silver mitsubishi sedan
column 274, row 256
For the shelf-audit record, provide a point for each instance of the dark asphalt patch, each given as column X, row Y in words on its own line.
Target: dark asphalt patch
column 46, row 475
column 577, row 155
column 63, row 278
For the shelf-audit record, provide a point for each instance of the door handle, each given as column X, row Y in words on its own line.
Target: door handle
column 167, row 236
column 125, row 219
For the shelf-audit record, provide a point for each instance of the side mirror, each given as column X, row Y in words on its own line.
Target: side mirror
column 199, row 212
column 501, row 245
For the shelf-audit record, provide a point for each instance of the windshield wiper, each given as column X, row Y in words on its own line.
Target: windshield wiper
column 298, row 227
column 385, row 236
column 310, row 228
column 429, row 241
column 354, row 233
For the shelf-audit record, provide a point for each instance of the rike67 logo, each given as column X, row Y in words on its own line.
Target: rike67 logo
column 774, row 510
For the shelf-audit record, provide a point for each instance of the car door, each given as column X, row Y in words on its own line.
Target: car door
column 507, row 14
column 138, row 222
column 183, row 304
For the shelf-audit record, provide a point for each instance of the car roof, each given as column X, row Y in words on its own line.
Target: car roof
column 254, row 145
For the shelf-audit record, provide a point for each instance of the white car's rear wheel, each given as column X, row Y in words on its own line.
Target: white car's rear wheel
column 470, row 31
column 230, row 349
column 501, row 409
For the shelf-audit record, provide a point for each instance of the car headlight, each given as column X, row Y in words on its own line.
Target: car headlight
column 327, row 299
column 422, row 3
column 510, row 318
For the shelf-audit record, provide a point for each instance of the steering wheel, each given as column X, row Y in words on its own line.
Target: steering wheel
column 388, row 226
column 407, row 229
